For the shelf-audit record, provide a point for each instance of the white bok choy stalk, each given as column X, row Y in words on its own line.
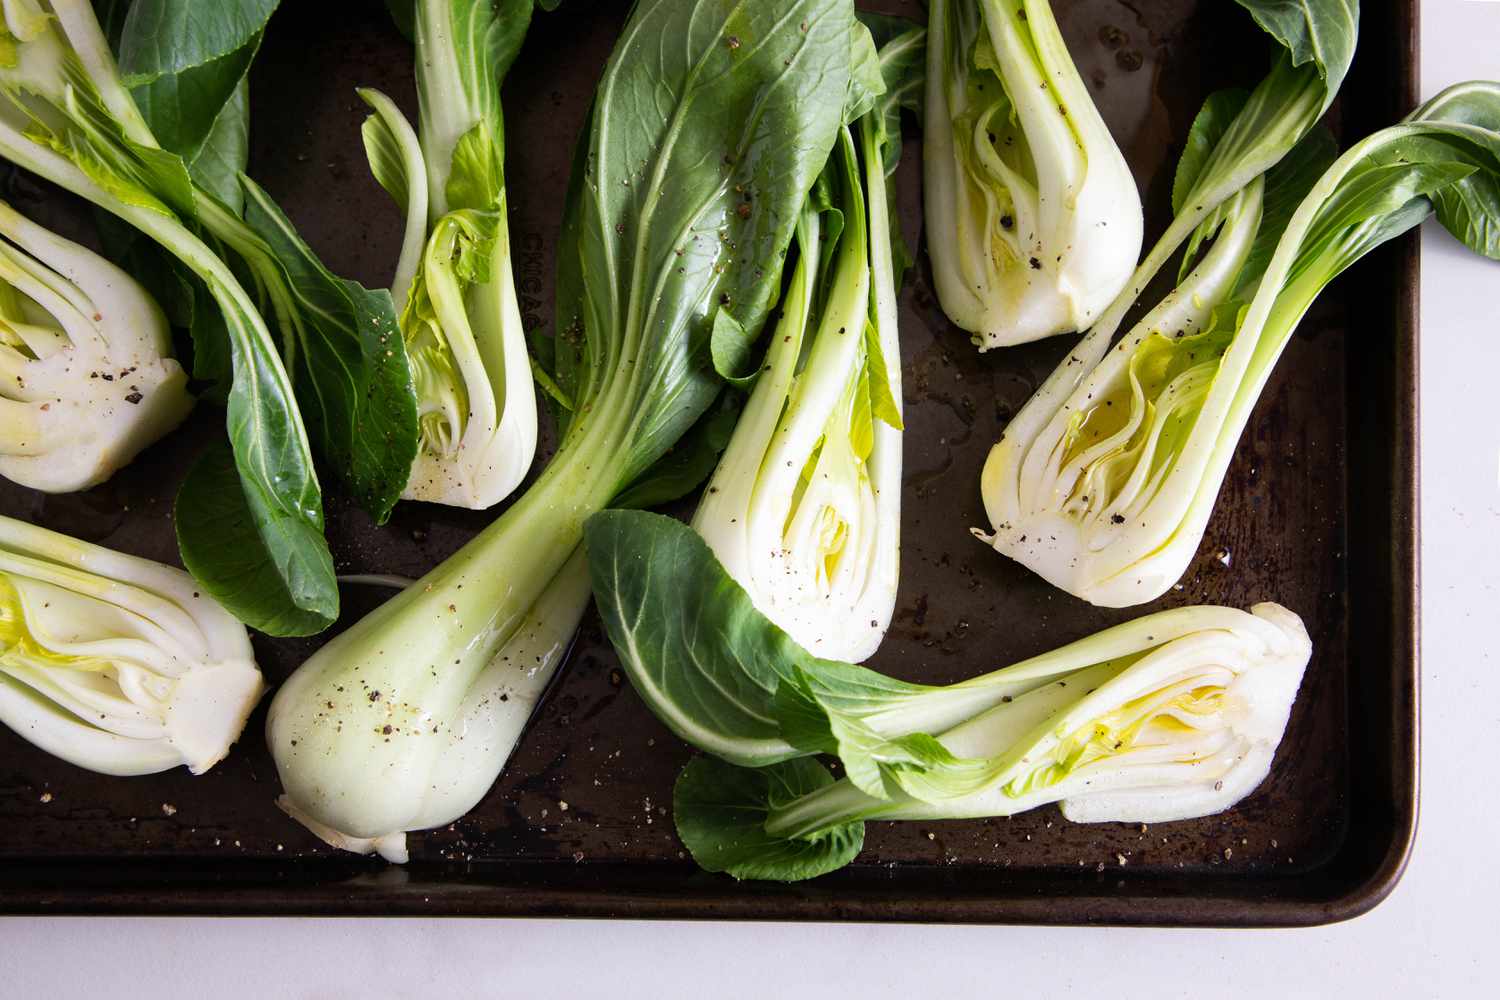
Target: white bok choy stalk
column 804, row 509
column 1106, row 490
column 87, row 377
column 372, row 736
column 453, row 282
column 1033, row 218
column 116, row 663
column 1173, row 715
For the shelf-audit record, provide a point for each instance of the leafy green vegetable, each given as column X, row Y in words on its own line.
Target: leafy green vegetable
column 654, row 242
column 805, row 506
column 459, row 316
column 1110, row 496
column 1033, row 218
column 1174, row 715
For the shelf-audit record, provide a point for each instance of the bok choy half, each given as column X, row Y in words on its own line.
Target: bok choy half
column 115, row 663
column 804, row 508
column 686, row 188
column 453, row 282
column 1105, row 481
column 1171, row 716
column 1033, row 219
column 249, row 517
column 87, row 377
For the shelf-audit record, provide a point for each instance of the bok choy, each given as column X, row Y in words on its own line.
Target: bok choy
column 249, row 522
column 1033, row 219
column 659, row 239
column 87, row 377
column 1105, row 482
column 804, row 508
column 115, row 663
column 1171, row 716
column 453, row 282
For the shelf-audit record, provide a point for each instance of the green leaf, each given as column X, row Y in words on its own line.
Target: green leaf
column 1287, row 184
column 720, row 811
column 476, row 178
column 350, row 365
column 216, row 164
column 184, row 62
column 1209, row 126
column 685, row 196
column 866, row 83
column 883, row 405
column 732, row 348
column 695, row 647
column 690, row 461
column 1320, row 32
column 1470, row 208
column 271, row 571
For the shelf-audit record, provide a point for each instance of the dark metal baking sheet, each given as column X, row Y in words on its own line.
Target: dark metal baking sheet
column 1318, row 512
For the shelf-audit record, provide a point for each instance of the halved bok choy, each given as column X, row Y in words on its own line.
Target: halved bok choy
column 115, row 663
column 1033, row 219
column 453, row 283
column 804, row 509
column 1105, row 481
column 1174, row 715
column 87, row 377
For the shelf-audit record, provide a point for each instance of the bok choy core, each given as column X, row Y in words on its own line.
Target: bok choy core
column 686, row 188
column 804, row 509
column 1033, row 218
column 453, row 282
column 115, row 663
column 1171, row 716
column 250, row 523
column 87, row 377
column 1104, row 485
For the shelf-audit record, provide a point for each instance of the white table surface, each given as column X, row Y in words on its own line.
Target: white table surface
column 1434, row 937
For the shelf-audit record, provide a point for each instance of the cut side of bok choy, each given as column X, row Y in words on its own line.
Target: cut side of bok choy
column 1172, row 716
column 1033, row 219
column 116, row 663
column 370, row 734
column 87, row 377
column 453, row 283
column 1104, row 485
column 804, row 509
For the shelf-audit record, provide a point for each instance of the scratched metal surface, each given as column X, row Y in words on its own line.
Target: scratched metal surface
column 1317, row 841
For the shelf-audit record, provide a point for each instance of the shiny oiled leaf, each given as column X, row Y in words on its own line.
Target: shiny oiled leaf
column 351, row 370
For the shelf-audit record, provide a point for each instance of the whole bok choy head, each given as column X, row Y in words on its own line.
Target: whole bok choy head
column 115, row 663
column 1033, row 219
column 804, row 508
column 87, row 377
column 249, row 520
column 1171, row 716
column 453, row 282
column 369, row 735
column 1105, row 487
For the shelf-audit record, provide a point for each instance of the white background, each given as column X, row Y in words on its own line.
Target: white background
column 1435, row 936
